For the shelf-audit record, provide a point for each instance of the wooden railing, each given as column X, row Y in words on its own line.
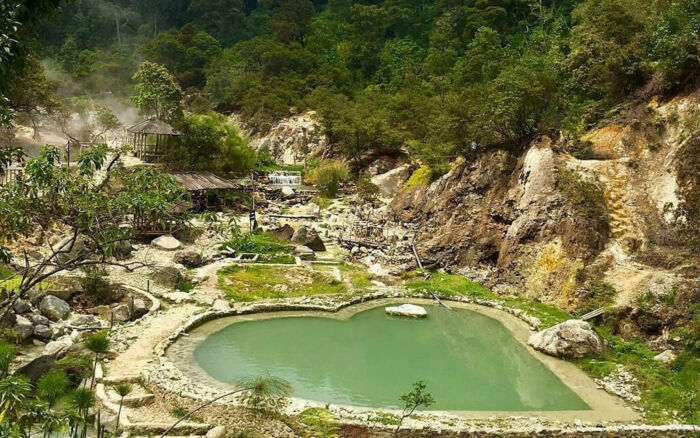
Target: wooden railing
column 10, row 173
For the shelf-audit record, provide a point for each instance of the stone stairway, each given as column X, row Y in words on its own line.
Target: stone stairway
column 132, row 418
column 615, row 192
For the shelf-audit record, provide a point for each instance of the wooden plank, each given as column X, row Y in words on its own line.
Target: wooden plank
column 592, row 314
column 293, row 216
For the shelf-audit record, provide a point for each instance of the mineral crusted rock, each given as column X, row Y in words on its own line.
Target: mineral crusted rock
column 166, row 243
column 410, row 310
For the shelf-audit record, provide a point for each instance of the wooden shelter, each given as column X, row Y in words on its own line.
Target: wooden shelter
column 151, row 139
column 207, row 190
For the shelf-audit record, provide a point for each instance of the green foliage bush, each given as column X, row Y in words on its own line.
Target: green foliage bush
column 263, row 243
column 584, row 196
column 420, row 178
column 328, row 177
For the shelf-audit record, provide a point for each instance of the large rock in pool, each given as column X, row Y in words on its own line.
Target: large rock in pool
column 54, row 308
column 305, row 236
column 166, row 243
column 36, row 368
column 410, row 310
column 571, row 339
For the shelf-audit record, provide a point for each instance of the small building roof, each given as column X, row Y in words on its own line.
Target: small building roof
column 153, row 126
column 195, row 181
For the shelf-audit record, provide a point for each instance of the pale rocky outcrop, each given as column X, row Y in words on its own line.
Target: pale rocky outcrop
column 284, row 232
column 58, row 348
column 292, row 139
column 21, row 306
column 168, row 276
column 42, row 332
column 216, row 432
column 410, row 310
column 570, row 339
column 390, row 182
column 166, row 243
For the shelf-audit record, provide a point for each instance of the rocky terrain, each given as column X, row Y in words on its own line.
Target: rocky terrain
column 548, row 220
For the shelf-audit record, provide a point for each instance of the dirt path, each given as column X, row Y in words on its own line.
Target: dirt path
column 147, row 334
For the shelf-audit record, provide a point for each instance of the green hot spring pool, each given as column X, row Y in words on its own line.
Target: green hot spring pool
column 469, row 361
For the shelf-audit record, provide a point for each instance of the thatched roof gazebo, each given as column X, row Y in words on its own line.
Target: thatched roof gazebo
column 151, row 138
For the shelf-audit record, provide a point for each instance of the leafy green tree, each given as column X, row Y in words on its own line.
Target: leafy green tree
column 89, row 210
column 210, row 142
column 413, row 400
column 19, row 22
column 292, row 20
column 674, row 42
column 157, row 93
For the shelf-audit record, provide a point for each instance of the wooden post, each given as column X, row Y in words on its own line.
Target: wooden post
column 148, row 286
column 111, row 318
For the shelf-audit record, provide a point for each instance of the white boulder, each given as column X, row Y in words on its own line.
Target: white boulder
column 390, row 182
column 287, row 192
column 410, row 310
column 666, row 357
column 58, row 348
column 166, row 243
column 572, row 339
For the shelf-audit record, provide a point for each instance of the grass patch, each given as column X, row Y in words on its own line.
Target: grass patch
column 5, row 272
column 451, row 285
column 263, row 243
column 186, row 286
column 586, row 197
column 248, row 283
column 667, row 394
column 280, row 259
column 599, row 294
column 386, row 419
column 358, row 277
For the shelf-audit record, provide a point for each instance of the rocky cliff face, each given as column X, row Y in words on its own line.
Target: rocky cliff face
column 544, row 223
column 291, row 139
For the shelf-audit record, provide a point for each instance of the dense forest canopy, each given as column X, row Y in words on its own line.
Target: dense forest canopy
column 444, row 78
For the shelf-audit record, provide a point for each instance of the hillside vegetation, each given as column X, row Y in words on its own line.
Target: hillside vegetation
column 445, row 77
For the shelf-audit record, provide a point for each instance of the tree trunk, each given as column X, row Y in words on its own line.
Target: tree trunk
column 119, row 414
